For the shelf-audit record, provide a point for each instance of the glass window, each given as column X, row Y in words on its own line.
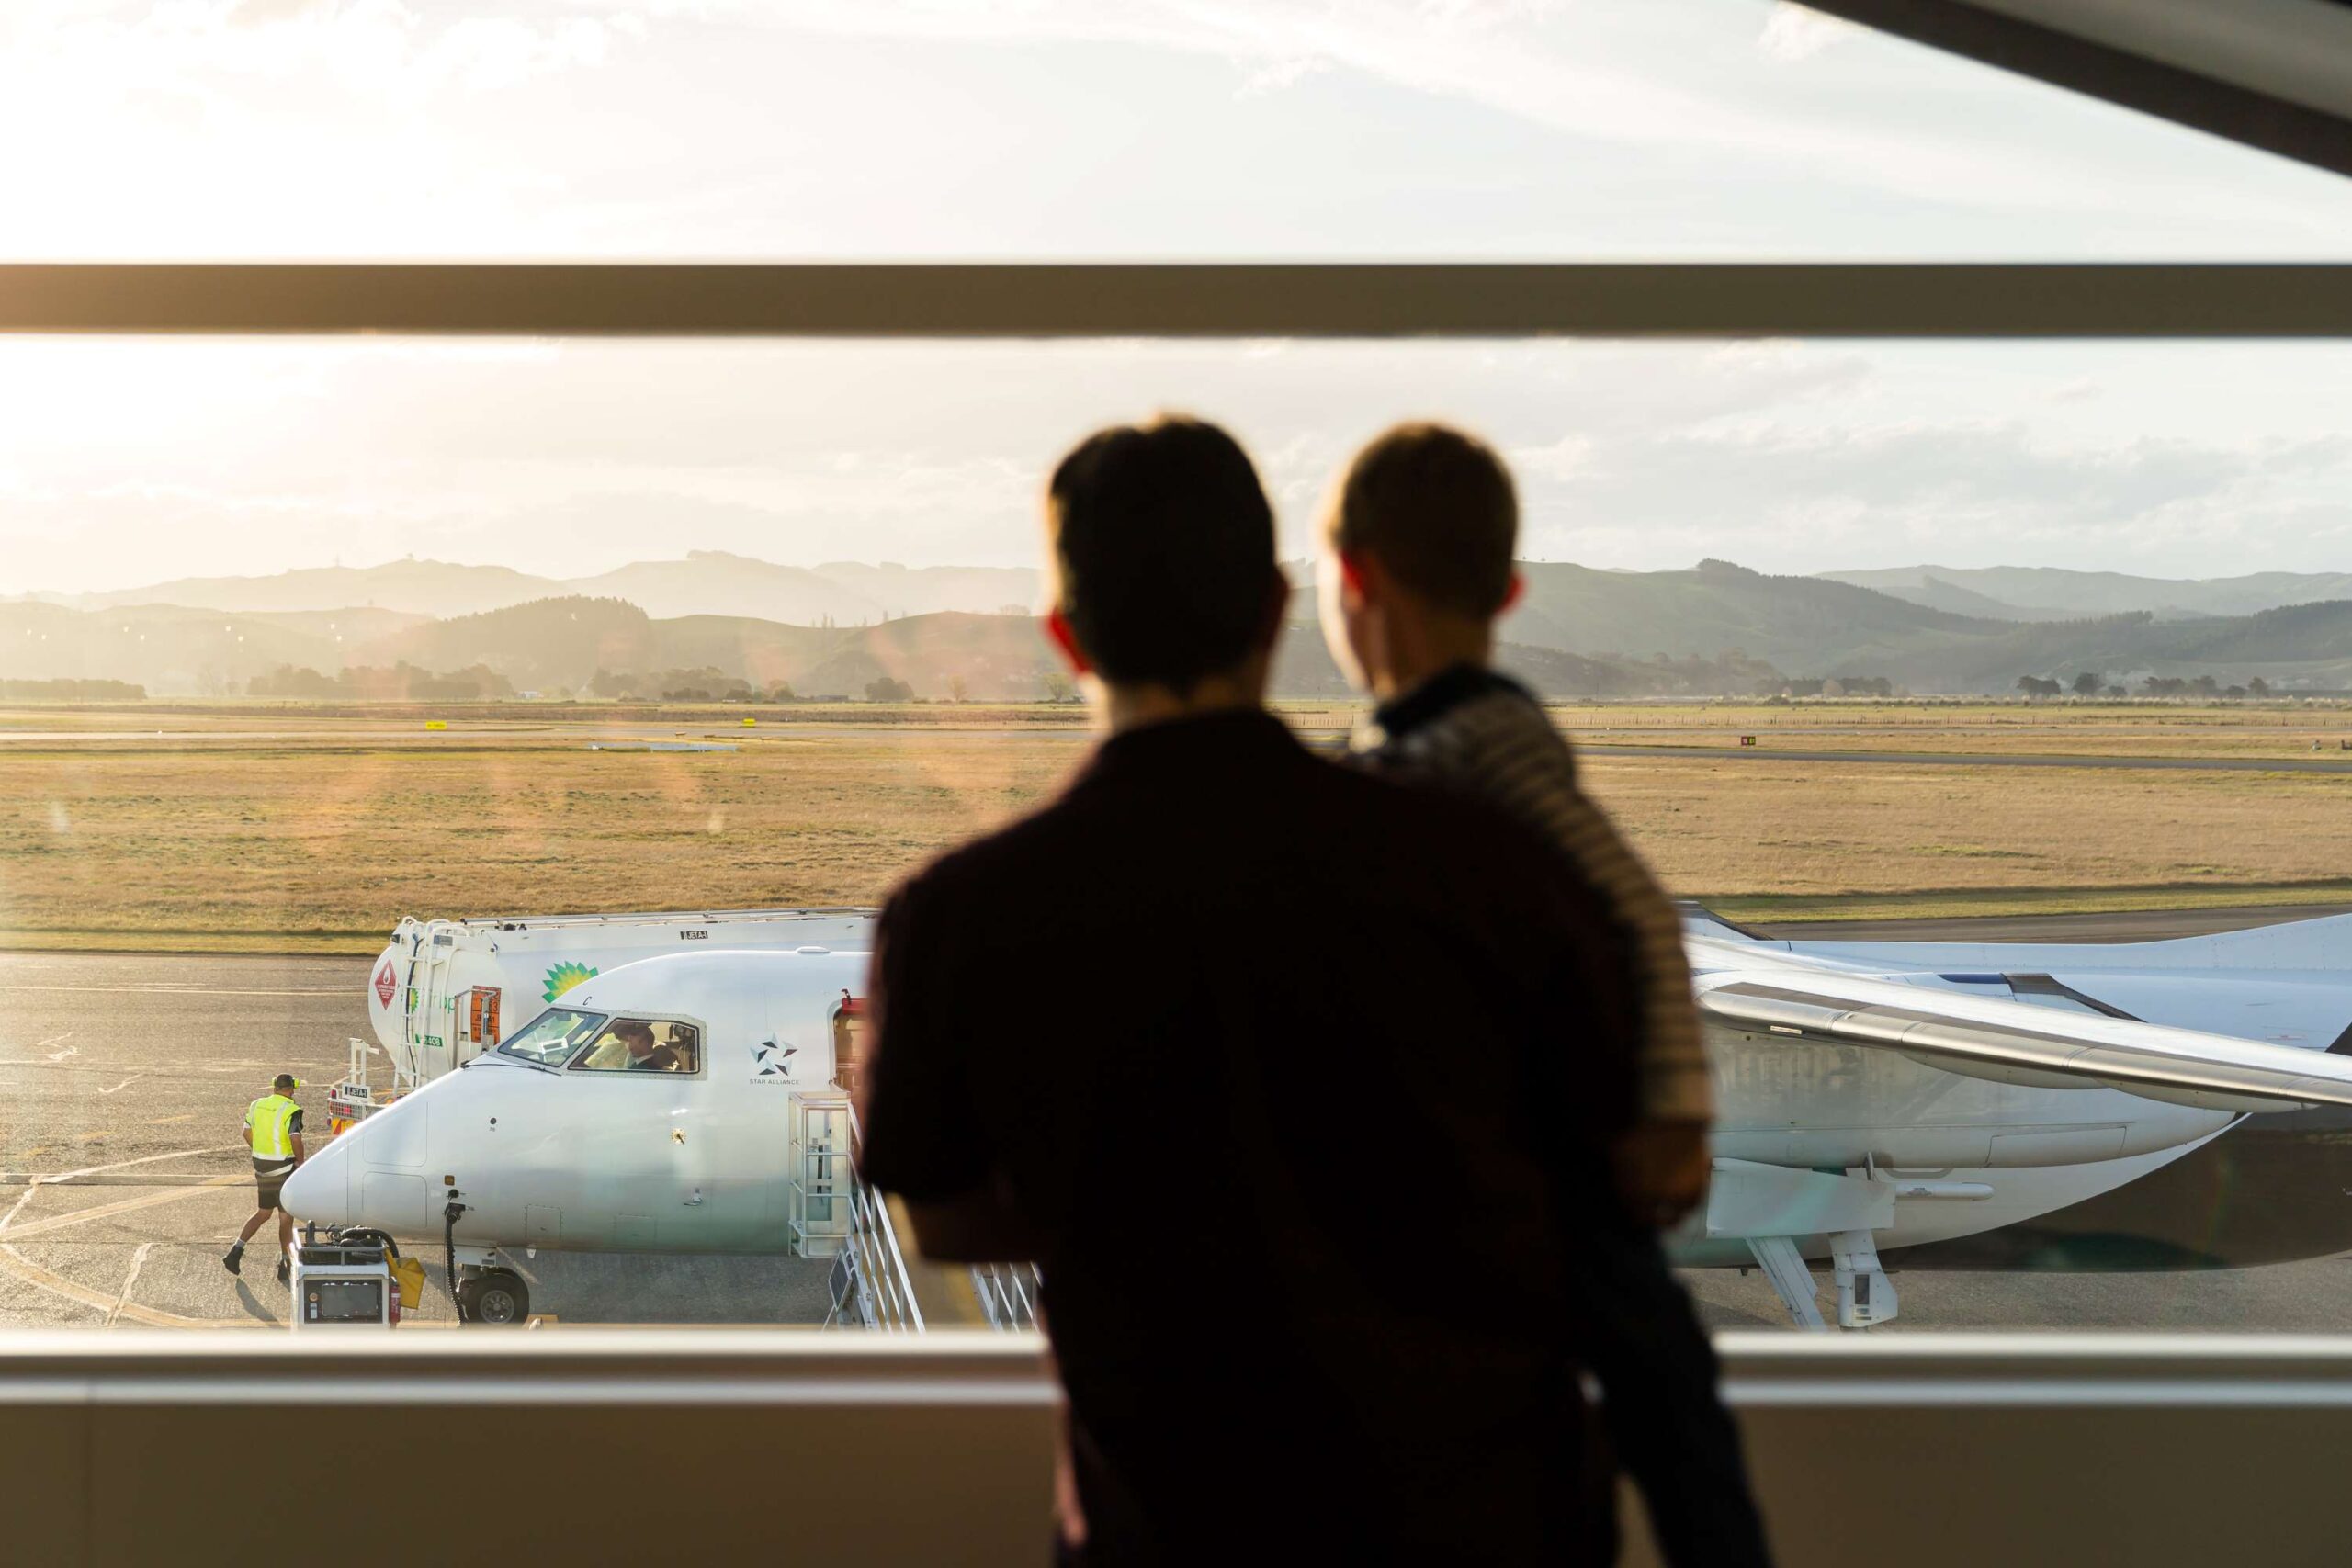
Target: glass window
column 638, row 1044
column 550, row 1038
column 303, row 637
column 1110, row 130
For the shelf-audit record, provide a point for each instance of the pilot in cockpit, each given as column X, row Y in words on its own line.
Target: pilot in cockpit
column 643, row 1054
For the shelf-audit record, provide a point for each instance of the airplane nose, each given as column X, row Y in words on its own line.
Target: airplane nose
column 320, row 1192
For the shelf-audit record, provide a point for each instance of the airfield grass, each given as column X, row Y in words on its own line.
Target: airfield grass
column 246, row 828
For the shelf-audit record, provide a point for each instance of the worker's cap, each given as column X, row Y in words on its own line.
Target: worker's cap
column 286, row 1081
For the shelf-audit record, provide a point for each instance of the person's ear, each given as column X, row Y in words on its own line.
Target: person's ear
column 1352, row 565
column 1277, row 605
column 1512, row 595
column 1058, row 628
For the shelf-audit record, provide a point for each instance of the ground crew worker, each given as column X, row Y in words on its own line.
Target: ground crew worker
column 273, row 1131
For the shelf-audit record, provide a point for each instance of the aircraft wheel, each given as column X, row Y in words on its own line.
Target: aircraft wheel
column 498, row 1297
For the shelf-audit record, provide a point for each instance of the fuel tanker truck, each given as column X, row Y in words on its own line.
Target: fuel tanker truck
column 443, row 991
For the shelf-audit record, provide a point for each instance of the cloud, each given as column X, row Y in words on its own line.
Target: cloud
column 379, row 47
column 1664, row 75
column 1276, row 76
column 1792, row 33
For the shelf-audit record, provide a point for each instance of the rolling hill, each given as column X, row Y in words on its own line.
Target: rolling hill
column 1802, row 625
column 2035, row 592
column 2306, row 646
column 412, row 587
column 704, row 582
column 708, row 621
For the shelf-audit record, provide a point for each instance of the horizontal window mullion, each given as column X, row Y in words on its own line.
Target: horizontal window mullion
column 1096, row 300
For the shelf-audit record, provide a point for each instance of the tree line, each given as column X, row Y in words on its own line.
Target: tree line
column 2092, row 683
column 403, row 683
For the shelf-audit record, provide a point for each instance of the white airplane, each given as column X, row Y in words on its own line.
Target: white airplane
column 1924, row 1097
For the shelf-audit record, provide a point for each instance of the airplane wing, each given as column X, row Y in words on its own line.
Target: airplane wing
column 2009, row 1041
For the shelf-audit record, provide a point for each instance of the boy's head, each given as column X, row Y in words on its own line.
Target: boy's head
column 1163, row 549
column 1419, row 545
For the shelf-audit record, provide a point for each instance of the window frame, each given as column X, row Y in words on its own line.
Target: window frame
column 506, row 1046
column 1723, row 300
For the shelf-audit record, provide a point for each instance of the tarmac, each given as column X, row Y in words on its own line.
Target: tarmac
column 1979, row 759
column 123, row 1176
column 124, row 1079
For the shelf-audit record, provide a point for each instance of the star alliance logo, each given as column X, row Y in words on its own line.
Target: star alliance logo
column 770, row 1059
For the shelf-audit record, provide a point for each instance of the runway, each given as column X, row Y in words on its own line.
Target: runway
column 2117, row 925
column 1979, row 759
column 124, row 1080
column 123, row 1087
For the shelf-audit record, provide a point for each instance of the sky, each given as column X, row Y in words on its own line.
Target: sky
column 782, row 130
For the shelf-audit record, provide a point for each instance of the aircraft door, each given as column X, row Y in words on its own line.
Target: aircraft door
column 850, row 1036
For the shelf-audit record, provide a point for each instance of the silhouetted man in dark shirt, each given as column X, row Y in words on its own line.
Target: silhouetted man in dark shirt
column 1260, row 1059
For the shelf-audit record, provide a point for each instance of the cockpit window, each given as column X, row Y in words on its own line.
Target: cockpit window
column 551, row 1038
column 642, row 1045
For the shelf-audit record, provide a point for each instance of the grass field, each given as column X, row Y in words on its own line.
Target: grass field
column 247, row 827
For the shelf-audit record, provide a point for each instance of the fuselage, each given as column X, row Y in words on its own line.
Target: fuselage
column 565, row 1154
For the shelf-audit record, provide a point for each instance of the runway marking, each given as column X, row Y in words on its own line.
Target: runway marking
column 118, row 1306
column 107, row 1211
column 19, row 1203
column 143, row 1159
column 167, row 1121
column 126, row 1084
column 25, row 1269
column 139, row 1178
column 138, row 1261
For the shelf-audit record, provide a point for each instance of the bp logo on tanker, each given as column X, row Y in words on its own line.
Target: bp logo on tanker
column 561, row 977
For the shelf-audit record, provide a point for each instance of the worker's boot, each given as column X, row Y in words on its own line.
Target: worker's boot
column 233, row 1259
column 281, row 1271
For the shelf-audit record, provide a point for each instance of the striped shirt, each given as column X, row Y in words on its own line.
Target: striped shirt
column 1483, row 734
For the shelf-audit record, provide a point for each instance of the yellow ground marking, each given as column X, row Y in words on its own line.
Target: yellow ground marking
column 130, row 1281
column 16, row 1263
column 30, row 1228
column 167, row 1120
column 117, row 1305
column 92, row 1138
column 65, row 1176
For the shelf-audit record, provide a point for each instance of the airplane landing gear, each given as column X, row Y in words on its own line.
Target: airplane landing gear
column 493, row 1296
column 487, row 1290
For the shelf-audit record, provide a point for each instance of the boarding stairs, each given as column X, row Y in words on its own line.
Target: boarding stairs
column 837, row 1214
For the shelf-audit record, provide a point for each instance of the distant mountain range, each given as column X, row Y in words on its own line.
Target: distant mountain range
column 707, row 583
column 715, row 621
column 2054, row 593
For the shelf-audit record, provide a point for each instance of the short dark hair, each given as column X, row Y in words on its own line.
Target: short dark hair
column 1164, row 545
column 631, row 1028
column 1436, row 507
column 283, row 1081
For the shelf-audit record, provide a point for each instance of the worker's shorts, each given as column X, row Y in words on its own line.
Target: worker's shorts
column 269, row 1178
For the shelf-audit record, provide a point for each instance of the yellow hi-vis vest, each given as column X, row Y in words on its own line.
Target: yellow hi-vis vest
column 267, row 1120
